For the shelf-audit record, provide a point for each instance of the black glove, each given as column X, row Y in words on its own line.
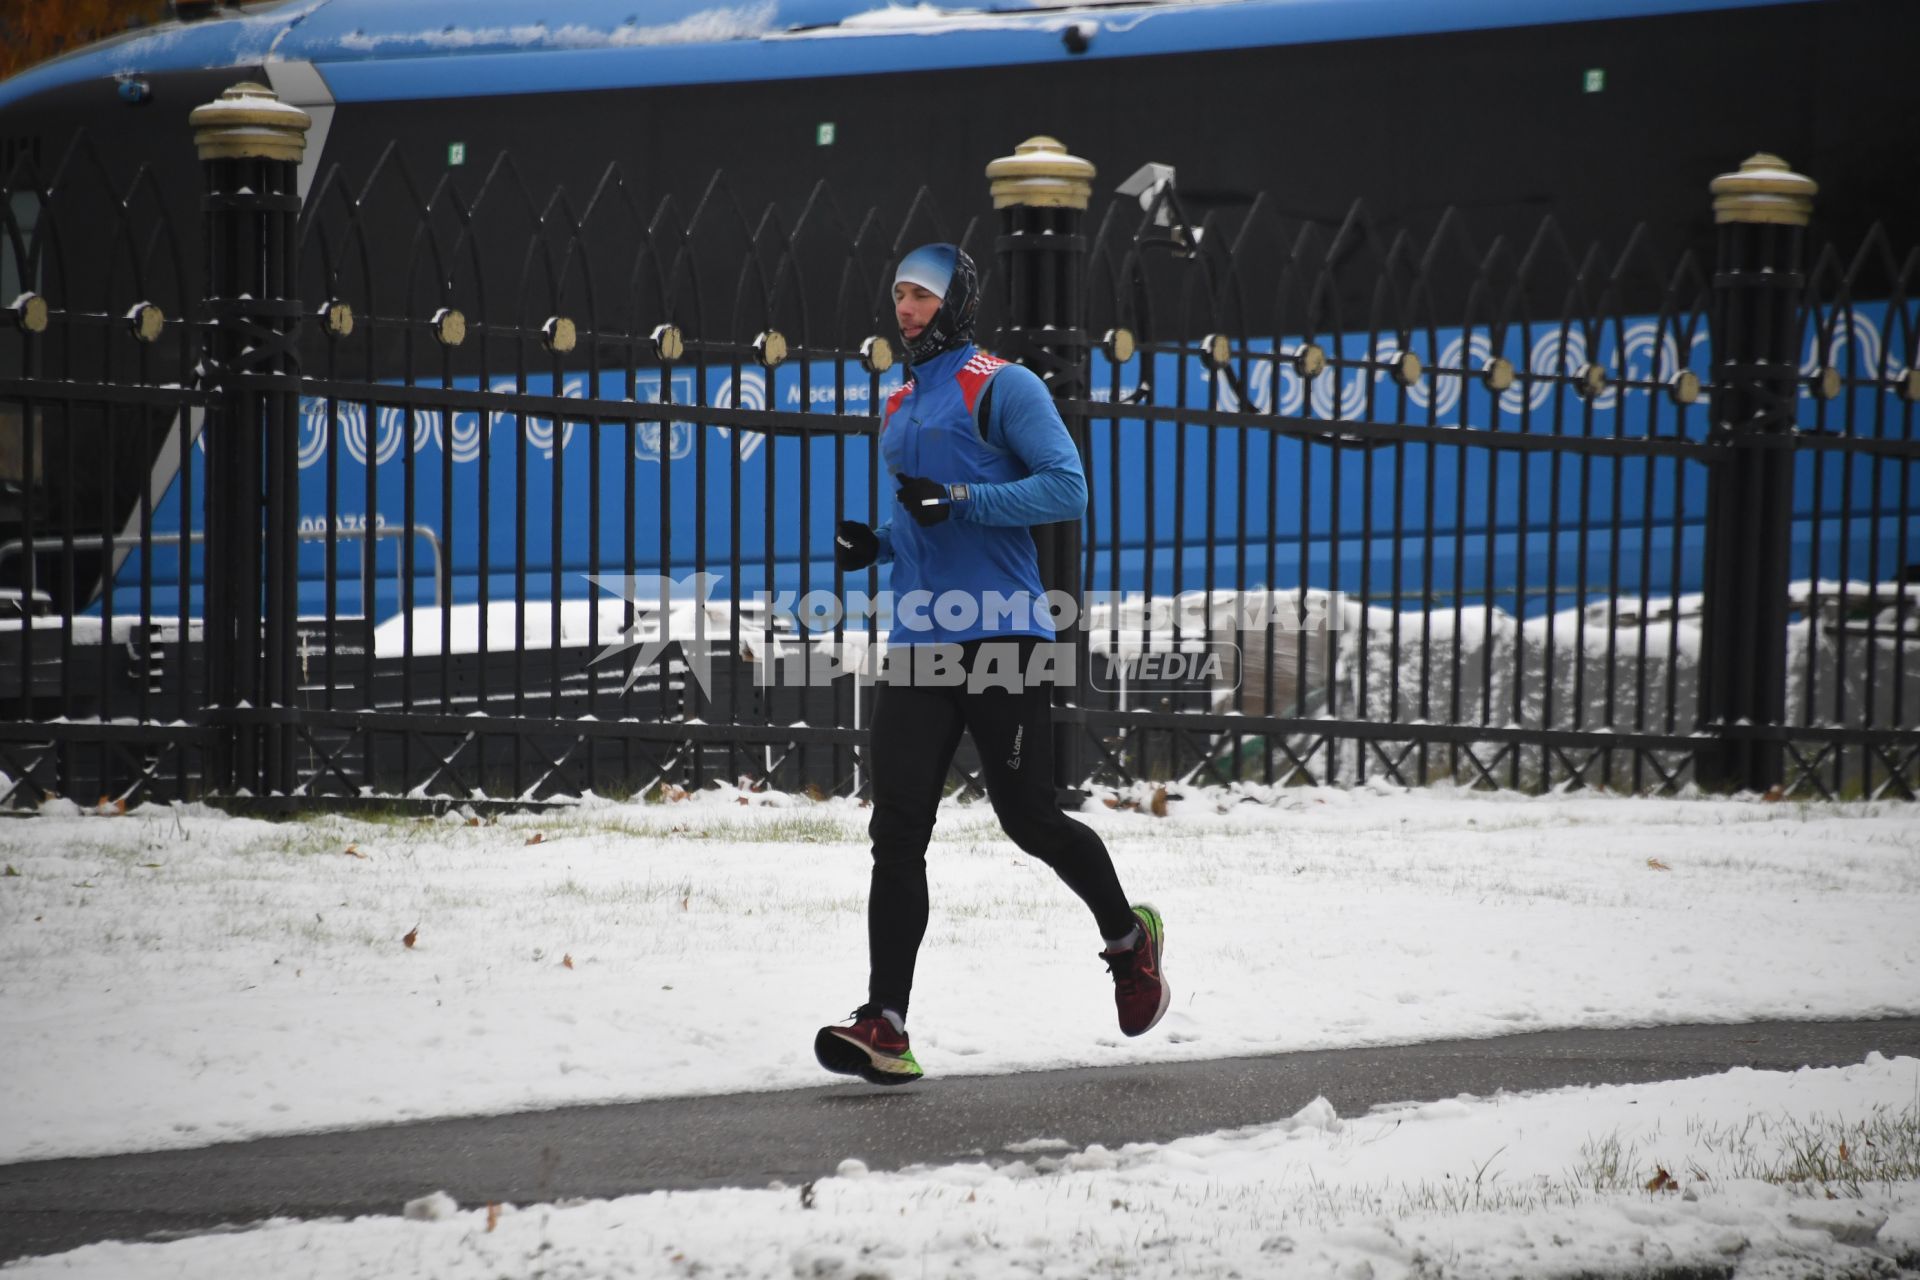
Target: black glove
column 854, row 546
column 925, row 500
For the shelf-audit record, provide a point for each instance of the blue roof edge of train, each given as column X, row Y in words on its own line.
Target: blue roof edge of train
column 373, row 50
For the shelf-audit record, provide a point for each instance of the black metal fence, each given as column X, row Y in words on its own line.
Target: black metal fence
column 1507, row 514
column 459, row 490
column 100, row 395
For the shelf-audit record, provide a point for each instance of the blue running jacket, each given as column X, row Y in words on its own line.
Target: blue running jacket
column 1025, row 471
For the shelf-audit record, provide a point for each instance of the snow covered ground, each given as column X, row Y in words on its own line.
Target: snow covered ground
column 173, row 977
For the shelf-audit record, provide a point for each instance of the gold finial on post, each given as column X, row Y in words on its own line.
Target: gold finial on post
column 1040, row 174
column 1764, row 190
column 249, row 120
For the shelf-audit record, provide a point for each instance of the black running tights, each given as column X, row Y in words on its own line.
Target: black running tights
column 915, row 732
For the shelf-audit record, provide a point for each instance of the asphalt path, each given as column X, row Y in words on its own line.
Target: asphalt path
column 793, row 1136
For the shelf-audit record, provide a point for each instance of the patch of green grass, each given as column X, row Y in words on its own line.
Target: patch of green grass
column 1823, row 1154
column 623, row 893
column 793, row 826
column 1608, row 1165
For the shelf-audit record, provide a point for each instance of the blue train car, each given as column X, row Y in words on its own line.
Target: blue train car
column 1412, row 106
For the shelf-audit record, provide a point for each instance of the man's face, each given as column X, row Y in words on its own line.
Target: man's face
column 914, row 307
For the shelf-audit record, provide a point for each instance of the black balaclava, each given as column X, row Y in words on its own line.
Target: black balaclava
column 947, row 271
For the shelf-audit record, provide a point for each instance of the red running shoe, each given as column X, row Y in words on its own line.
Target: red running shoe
column 870, row 1049
column 1140, row 990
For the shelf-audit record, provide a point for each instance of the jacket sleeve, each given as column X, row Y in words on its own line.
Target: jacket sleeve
column 883, row 530
column 1023, row 421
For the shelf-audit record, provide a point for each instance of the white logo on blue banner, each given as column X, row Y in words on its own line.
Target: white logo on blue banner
column 1855, row 349
column 350, row 420
column 646, row 443
column 1353, row 395
column 753, row 395
column 313, row 428
column 464, row 437
column 540, row 431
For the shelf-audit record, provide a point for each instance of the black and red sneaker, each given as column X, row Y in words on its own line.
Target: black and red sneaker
column 870, row 1048
column 1140, row 990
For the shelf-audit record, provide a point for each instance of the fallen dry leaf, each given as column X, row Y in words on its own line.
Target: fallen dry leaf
column 1662, row 1181
column 566, row 961
column 493, row 1215
column 675, row 794
column 1658, row 865
column 536, row 838
column 743, row 800
column 473, row 821
column 353, row 851
column 413, row 936
column 1159, row 802
column 1775, row 793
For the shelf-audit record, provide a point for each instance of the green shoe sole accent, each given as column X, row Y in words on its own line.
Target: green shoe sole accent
column 844, row 1057
column 900, row 1070
column 1150, row 920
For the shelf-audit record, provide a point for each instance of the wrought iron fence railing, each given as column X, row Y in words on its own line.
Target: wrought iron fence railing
column 456, row 490
column 1480, row 537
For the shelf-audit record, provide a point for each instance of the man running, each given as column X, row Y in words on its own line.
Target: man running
column 978, row 454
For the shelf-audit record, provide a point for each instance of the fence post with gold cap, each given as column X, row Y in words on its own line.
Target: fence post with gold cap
column 1041, row 194
column 250, row 146
column 1762, row 211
